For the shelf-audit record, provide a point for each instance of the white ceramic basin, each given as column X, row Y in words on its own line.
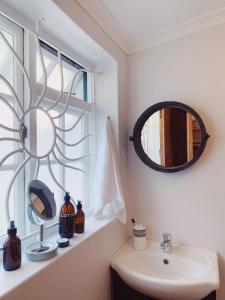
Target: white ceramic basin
column 191, row 274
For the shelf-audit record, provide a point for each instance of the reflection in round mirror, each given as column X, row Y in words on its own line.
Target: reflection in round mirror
column 42, row 200
column 169, row 136
column 45, row 132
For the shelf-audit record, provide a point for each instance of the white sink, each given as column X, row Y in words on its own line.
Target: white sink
column 191, row 273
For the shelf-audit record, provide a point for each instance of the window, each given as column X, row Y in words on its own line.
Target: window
column 74, row 181
column 70, row 68
column 9, row 69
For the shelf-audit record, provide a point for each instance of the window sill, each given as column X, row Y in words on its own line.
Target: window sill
column 11, row 280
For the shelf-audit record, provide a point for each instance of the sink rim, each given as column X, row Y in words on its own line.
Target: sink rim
column 209, row 260
column 171, row 282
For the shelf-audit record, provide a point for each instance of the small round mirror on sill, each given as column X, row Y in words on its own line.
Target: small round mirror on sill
column 42, row 208
column 42, row 201
column 169, row 136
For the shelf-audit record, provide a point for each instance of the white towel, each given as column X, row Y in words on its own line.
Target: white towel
column 109, row 199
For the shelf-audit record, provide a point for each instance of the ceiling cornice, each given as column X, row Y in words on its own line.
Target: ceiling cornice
column 130, row 46
column 178, row 31
column 104, row 19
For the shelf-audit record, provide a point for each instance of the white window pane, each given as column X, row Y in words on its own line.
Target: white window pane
column 77, row 88
column 7, row 120
column 39, row 71
column 74, row 182
column 73, row 136
column 52, row 112
column 45, row 176
column 54, row 79
column 80, row 90
column 9, row 69
column 7, row 116
column 5, row 177
column 44, row 133
column 6, row 62
column 68, row 76
column 7, row 147
column 53, row 74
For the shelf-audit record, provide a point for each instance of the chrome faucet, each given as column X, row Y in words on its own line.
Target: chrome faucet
column 166, row 244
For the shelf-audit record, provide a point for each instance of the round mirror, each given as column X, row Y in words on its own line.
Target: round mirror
column 169, row 136
column 42, row 201
column 45, row 132
column 42, row 207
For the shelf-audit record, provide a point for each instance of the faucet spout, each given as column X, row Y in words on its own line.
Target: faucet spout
column 166, row 244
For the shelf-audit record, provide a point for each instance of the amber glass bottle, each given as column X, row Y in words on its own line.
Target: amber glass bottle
column 67, row 218
column 79, row 219
column 12, row 249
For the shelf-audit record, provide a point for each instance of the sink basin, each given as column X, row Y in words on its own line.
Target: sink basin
column 189, row 273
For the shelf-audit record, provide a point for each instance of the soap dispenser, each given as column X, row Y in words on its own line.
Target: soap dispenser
column 79, row 219
column 12, row 249
column 67, row 218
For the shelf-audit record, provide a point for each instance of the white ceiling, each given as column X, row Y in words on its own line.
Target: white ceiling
column 138, row 24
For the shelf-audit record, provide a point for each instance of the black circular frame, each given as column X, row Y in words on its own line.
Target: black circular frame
column 136, row 138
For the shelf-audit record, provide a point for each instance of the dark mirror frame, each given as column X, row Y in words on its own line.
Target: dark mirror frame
column 41, row 190
column 136, row 138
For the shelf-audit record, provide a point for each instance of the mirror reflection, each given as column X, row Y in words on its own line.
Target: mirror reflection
column 171, row 137
column 38, row 205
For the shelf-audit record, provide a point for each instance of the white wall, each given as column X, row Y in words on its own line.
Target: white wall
column 82, row 273
column 190, row 204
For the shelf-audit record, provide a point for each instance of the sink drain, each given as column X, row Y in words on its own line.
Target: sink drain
column 166, row 261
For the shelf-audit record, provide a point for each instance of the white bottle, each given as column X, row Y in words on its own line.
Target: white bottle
column 139, row 237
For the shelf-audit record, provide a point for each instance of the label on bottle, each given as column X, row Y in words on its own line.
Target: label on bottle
column 66, row 224
column 67, row 215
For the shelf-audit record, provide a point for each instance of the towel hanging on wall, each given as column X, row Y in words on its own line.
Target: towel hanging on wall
column 109, row 198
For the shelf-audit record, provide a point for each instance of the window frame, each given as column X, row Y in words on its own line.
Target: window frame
column 75, row 103
column 72, row 63
column 25, row 47
column 18, row 44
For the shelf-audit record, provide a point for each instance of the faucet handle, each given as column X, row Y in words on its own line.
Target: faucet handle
column 167, row 237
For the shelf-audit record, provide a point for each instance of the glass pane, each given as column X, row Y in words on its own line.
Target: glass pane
column 80, row 90
column 74, row 182
column 45, row 176
column 6, row 62
column 68, row 76
column 8, row 68
column 7, row 119
column 5, row 177
column 45, row 133
column 39, row 72
column 54, row 79
column 73, row 136
column 53, row 74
